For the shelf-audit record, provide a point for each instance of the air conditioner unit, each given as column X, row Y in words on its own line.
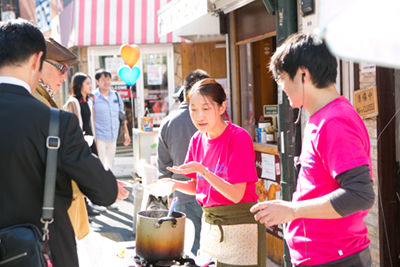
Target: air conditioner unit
column 227, row 6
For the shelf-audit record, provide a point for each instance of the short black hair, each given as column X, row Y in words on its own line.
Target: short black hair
column 305, row 50
column 19, row 40
column 102, row 72
column 192, row 78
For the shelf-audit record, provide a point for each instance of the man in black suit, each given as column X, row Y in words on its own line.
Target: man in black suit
column 23, row 132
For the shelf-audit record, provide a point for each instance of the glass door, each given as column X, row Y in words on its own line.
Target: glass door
column 155, row 81
column 246, row 85
column 156, row 84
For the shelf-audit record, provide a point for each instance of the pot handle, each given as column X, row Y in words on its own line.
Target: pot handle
column 166, row 219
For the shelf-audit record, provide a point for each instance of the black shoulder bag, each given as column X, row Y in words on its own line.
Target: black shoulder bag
column 121, row 118
column 23, row 244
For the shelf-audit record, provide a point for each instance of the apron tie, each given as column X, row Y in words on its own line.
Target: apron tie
column 216, row 220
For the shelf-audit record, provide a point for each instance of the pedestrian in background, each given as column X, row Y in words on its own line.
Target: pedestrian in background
column 81, row 104
column 220, row 162
column 178, row 97
column 325, row 220
column 175, row 133
column 23, row 147
column 107, row 105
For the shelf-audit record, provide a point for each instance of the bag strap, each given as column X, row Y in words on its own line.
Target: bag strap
column 116, row 93
column 52, row 144
column 119, row 105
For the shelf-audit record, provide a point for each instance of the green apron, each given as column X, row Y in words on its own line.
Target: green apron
column 233, row 215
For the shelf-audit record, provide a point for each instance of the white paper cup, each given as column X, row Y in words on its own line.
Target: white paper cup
column 160, row 189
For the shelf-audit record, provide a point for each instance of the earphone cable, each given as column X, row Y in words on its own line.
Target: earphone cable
column 297, row 162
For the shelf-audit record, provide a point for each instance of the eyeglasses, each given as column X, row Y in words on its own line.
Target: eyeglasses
column 279, row 80
column 63, row 69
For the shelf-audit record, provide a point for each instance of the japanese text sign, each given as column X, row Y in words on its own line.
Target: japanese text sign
column 366, row 102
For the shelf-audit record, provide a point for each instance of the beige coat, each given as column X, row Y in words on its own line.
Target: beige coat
column 44, row 97
column 73, row 106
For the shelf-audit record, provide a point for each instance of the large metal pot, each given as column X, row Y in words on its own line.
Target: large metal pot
column 158, row 237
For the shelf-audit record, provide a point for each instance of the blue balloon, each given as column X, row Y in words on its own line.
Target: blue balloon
column 129, row 75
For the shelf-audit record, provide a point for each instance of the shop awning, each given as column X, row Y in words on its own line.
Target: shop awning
column 110, row 22
column 192, row 19
column 189, row 18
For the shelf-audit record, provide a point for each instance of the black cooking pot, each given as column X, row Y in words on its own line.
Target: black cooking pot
column 158, row 237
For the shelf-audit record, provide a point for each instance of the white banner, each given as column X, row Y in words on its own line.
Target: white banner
column 179, row 13
column 43, row 14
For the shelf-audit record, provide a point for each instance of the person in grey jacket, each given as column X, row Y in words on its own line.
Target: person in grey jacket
column 176, row 130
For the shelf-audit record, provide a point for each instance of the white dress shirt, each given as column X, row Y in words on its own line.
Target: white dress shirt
column 15, row 81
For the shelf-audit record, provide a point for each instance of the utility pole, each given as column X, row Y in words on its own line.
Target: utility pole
column 286, row 24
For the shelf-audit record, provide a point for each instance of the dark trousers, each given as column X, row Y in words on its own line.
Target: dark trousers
column 360, row 259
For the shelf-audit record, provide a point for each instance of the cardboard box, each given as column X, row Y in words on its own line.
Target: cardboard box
column 146, row 124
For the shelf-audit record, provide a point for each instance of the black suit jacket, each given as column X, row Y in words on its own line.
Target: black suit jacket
column 24, row 124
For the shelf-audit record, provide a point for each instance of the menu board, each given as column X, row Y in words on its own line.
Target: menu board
column 268, row 186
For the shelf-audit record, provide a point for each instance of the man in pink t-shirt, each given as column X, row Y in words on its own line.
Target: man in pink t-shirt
column 325, row 220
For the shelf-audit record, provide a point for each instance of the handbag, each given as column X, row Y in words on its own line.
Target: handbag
column 23, row 244
column 121, row 118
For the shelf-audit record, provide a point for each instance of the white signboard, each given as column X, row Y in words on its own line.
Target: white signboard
column 367, row 67
column 179, row 13
column 43, row 14
column 112, row 64
column 7, row 15
column 268, row 166
column 154, row 74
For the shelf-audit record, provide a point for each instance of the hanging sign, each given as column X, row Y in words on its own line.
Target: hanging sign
column 366, row 102
column 124, row 93
column 43, row 15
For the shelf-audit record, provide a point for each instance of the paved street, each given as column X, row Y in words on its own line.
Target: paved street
column 111, row 232
column 111, row 241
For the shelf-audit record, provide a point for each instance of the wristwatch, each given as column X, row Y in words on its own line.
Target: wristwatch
column 204, row 174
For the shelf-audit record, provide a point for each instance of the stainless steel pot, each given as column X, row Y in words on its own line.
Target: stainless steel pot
column 158, row 237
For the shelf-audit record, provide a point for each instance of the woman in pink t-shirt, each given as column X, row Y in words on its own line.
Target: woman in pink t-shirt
column 220, row 161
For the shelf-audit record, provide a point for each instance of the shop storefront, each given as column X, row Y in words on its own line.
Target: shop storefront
column 353, row 80
column 95, row 30
column 155, row 86
column 254, row 38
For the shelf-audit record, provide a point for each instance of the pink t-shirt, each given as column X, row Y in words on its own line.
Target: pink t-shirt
column 335, row 140
column 229, row 156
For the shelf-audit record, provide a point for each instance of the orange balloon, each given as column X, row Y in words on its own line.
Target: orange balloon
column 130, row 54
